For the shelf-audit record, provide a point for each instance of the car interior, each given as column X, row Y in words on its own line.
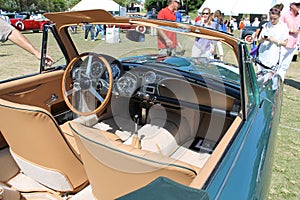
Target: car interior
column 153, row 122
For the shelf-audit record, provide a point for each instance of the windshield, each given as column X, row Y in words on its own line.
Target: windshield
column 143, row 44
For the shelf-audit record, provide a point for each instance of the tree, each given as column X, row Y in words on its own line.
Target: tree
column 36, row 5
column 62, row 5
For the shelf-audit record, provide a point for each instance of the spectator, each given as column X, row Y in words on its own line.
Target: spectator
column 231, row 24
column 100, row 28
column 292, row 19
column 167, row 41
column 6, row 18
column 255, row 22
column 152, row 14
column 247, row 21
column 218, row 19
column 73, row 29
column 178, row 16
column 8, row 32
column 204, row 47
column 260, row 25
column 198, row 18
column 225, row 25
column 274, row 35
column 89, row 28
column 242, row 24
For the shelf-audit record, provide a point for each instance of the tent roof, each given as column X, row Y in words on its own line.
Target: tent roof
column 225, row 7
column 108, row 5
column 235, row 7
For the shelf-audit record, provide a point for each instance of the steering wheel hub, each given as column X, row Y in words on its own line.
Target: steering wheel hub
column 85, row 83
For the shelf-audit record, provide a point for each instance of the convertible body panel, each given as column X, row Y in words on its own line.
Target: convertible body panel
column 140, row 118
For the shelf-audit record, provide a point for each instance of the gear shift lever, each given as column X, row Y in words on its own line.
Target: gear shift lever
column 136, row 120
column 135, row 140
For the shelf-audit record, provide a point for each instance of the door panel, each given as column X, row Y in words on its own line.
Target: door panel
column 36, row 90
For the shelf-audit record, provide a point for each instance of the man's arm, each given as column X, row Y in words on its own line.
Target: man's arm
column 8, row 32
column 164, row 38
column 18, row 38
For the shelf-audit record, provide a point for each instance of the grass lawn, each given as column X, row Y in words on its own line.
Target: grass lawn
column 285, row 182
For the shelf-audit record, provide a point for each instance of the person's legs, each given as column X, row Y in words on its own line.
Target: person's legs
column 98, row 29
column 102, row 32
column 86, row 31
column 195, row 51
column 220, row 50
column 287, row 57
column 92, row 29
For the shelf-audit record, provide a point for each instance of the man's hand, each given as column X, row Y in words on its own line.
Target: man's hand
column 49, row 60
column 168, row 42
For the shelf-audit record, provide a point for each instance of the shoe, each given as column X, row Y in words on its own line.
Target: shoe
column 85, row 39
column 93, row 40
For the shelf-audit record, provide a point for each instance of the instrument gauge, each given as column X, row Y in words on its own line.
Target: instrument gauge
column 150, row 77
column 96, row 69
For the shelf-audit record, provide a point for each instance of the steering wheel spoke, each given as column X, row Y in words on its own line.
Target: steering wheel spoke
column 72, row 91
column 96, row 94
column 89, row 65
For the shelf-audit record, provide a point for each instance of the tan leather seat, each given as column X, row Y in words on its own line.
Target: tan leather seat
column 39, row 147
column 115, row 169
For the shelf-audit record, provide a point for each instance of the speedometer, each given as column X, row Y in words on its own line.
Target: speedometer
column 150, row 77
column 127, row 84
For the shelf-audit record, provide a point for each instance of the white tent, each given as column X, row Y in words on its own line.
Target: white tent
column 224, row 6
column 253, row 6
column 108, row 5
column 235, row 7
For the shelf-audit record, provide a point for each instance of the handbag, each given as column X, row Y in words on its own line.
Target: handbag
column 254, row 50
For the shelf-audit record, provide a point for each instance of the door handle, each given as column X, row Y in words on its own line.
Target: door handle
column 53, row 98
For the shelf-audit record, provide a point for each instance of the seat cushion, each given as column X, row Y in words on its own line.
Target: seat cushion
column 157, row 139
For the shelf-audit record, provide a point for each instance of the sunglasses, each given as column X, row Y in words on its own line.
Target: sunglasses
column 275, row 11
column 205, row 13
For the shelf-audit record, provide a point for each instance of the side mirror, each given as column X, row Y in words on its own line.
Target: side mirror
column 135, row 36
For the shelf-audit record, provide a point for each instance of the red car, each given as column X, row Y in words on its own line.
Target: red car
column 25, row 22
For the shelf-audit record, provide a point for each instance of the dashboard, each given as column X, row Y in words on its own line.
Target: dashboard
column 148, row 83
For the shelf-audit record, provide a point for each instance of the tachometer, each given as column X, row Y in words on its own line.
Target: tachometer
column 96, row 69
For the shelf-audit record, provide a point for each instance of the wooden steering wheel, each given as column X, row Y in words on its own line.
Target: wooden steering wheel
column 87, row 82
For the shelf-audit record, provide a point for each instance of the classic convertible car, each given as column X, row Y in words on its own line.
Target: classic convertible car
column 128, row 120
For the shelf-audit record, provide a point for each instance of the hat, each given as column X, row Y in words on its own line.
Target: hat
column 178, row 1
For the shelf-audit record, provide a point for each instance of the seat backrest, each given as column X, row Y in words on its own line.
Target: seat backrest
column 115, row 169
column 39, row 147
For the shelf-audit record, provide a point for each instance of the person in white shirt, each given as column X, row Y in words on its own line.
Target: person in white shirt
column 274, row 35
column 255, row 22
